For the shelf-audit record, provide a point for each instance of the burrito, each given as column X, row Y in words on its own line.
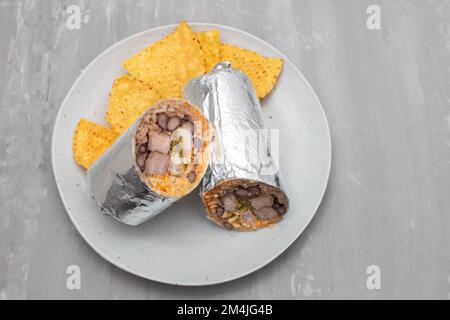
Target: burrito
column 170, row 147
column 241, row 189
column 158, row 160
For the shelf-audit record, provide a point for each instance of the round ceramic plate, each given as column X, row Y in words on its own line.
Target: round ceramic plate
column 181, row 246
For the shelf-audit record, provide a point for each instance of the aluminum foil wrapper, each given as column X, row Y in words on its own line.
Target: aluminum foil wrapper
column 239, row 146
column 117, row 188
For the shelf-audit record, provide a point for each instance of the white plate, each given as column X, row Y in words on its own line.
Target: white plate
column 180, row 246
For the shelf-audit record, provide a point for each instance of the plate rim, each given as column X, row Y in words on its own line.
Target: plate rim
column 123, row 266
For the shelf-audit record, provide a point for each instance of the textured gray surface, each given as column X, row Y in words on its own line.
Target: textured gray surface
column 386, row 95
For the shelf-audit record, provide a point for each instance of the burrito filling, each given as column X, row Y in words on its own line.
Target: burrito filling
column 245, row 205
column 169, row 145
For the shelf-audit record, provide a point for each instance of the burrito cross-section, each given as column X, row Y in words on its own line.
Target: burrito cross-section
column 159, row 159
column 241, row 189
column 169, row 147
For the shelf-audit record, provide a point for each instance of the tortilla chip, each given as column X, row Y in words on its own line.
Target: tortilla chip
column 262, row 71
column 90, row 140
column 129, row 98
column 210, row 44
column 170, row 62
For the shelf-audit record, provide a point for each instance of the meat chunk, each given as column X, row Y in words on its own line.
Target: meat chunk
column 142, row 148
column 241, row 192
column 230, row 202
column 157, row 163
column 261, row 202
column 141, row 160
column 266, row 213
column 248, row 218
column 173, row 123
column 253, row 192
column 162, row 119
column 159, row 141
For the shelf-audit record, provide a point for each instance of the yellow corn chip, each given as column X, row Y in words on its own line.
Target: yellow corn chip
column 129, row 98
column 262, row 71
column 210, row 44
column 170, row 62
column 90, row 140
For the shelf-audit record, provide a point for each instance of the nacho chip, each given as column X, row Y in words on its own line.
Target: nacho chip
column 210, row 44
column 170, row 62
column 129, row 98
column 90, row 140
column 262, row 71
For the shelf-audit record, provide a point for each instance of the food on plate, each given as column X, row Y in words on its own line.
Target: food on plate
column 90, row 140
column 167, row 64
column 242, row 189
column 128, row 99
column 245, row 204
column 262, row 71
column 162, row 142
column 159, row 159
column 171, row 147
column 161, row 70
column 210, row 45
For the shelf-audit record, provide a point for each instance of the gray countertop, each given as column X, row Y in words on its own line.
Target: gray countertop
column 386, row 94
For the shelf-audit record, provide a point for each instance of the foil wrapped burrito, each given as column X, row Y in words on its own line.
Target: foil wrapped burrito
column 241, row 188
column 159, row 159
